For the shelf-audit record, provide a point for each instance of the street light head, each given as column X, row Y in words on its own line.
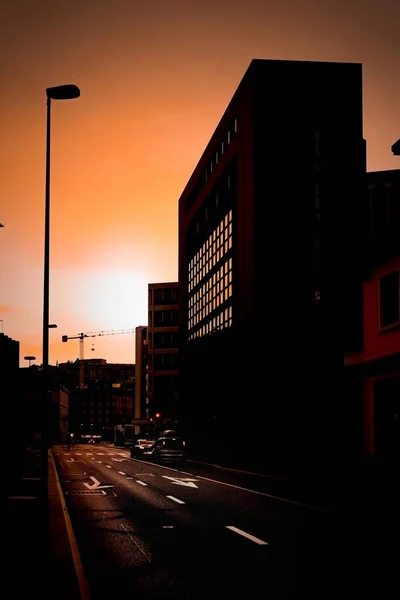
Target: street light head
column 63, row 92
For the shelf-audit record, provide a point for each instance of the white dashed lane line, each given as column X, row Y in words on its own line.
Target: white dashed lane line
column 247, row 535
column 176, row 499
column 141, row 482
column 121, row 473
column 109, row 466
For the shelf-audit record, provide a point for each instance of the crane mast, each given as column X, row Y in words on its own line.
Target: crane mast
column 81, row 337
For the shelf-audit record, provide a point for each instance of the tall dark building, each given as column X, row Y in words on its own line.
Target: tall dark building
column 163, row 353
column 270, row 246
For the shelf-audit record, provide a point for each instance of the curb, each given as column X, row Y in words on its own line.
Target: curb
column 70, row 543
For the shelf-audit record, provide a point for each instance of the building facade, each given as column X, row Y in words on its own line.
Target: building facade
column 377, row 366
column 163, row 353
column 270, row 247
column 140, row 412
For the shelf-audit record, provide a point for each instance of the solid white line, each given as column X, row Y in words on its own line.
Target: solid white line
column 141, row 482
column 302, row 504
column 23, row 497
column 238, row 487
column 176, row 499
column 121, row 473
column 247, row 535
column 109, row 466
column 135, row 542
column 82, row 581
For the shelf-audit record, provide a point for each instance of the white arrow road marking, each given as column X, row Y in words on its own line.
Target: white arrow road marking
column 96, row 485
column 118, row 459
column 182, row 481
column 69, row 460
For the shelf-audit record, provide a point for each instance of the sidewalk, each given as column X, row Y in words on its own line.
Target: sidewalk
column 40, row 559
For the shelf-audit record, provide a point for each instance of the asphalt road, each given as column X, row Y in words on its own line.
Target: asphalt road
column 147, row 531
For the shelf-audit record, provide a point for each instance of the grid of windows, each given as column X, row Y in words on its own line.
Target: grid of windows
column 210, row 282
column 215, row 159
column 211, row 252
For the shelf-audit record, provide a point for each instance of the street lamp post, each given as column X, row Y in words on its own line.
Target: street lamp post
column 61, row 92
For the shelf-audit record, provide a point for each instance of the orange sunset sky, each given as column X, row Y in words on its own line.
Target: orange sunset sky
column 155, row 78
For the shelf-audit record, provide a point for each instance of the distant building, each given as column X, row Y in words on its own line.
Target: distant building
column 141, row 372
column 270, row 271
column 163, row 353
column 106, row 400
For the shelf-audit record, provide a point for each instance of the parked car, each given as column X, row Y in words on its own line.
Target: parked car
column 141, row 446
column 167, row 449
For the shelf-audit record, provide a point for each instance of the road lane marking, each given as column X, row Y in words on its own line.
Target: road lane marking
column 182, row 481
column 135, row 542
column 23, row 497
column 294, row 502
column 167, row 526
column 100, row 461
column 82, row 581
column 247, row 535
column 129, row 477
column 243, row 489
column 141, row 482
column 96, row 485
column 109, row 466
column 176, row 499
column 121, row 473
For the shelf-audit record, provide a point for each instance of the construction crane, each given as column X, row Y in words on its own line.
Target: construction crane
column 81, row 337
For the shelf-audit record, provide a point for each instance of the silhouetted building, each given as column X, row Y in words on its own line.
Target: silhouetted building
column 377, row 366
column 396, row 148
column 270, row 246
column 163, row 353
column 9, row 356
column 59, row 417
